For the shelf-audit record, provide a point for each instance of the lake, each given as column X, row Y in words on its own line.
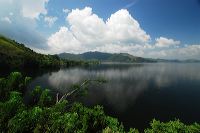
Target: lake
column 135, row 93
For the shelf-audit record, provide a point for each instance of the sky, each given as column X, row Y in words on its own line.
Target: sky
column 168, row 29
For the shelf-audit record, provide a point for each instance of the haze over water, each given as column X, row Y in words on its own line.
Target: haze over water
column 136, row 93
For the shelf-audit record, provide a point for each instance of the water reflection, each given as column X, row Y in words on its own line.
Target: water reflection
column 128, row 84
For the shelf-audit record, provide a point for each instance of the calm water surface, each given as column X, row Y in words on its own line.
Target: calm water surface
column 136, row 93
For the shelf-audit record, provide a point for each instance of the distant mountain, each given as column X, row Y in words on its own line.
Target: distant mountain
column 105, row 57
column 179, row 61
column 121, row 57
column 192, row 61
column 69, row 56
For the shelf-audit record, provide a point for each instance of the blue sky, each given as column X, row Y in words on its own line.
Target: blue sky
column 149, row 28
column 172, row 18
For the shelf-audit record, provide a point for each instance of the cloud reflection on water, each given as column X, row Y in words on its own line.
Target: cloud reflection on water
column 125, row 82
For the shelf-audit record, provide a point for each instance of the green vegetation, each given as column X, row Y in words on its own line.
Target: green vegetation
column 105, row 57
column 16, row 55
column 172, row 127
column 49, row 113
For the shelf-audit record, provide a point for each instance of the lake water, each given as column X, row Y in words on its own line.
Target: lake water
column 136, row 93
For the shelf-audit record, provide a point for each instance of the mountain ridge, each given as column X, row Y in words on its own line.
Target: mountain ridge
column 105, row 57
column 119, row 57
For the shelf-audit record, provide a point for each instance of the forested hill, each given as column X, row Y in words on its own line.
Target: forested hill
column 105, row 57
column 14, row 54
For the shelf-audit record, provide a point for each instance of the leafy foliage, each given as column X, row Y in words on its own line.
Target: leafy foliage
column 48, row 115
column 14, row 82
column 172, row 127
column 9, row 109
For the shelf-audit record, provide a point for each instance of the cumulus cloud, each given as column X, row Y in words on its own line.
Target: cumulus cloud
column 90, row 32
column 64, row 36
column 165, row 42
column 50, row 20
column 87, row 27
column 120, row 33
column 123, row 27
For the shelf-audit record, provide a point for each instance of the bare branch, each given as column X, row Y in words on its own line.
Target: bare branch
column 80, row 87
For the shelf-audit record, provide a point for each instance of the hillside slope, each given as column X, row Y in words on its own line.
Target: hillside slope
column 105, row 57
column 13, row 54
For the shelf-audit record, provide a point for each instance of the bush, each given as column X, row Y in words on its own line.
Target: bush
column 14, row 82
column 172, row 127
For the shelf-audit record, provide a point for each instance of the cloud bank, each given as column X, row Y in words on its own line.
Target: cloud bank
column 87, row 31
column 121, row 32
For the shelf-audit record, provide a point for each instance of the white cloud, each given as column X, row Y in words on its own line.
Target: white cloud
column 123, row 27
column 33, row 8
column 87, row 27
column 186, row 52
column 120, row 33
column 6, row 19
column 65, row 10
column 92, row 33
column 50, row 20
column 165, row 42
column 64, row 39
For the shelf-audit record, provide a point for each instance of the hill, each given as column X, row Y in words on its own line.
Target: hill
column 105, row 57
column 14, row 54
